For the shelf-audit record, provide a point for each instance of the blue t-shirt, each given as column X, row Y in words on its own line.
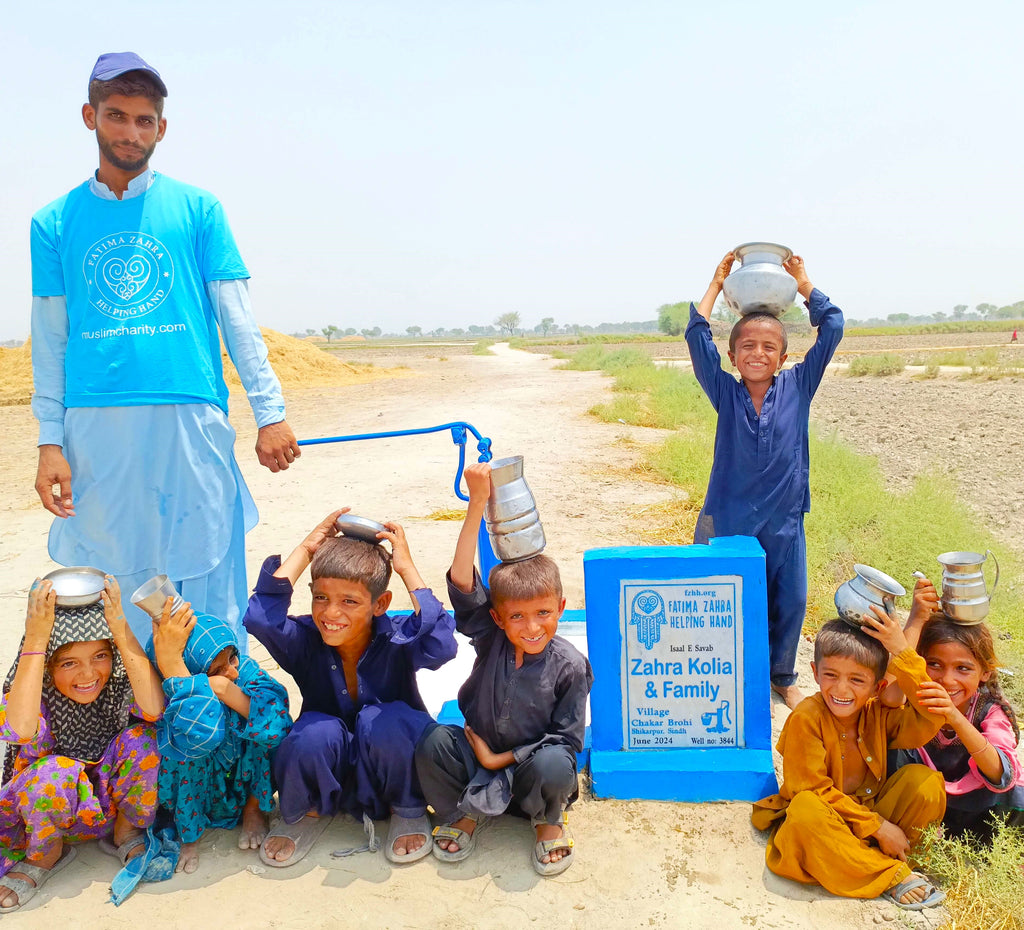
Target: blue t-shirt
column 141, row 329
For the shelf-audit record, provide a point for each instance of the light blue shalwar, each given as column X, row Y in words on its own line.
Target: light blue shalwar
column 156, row 486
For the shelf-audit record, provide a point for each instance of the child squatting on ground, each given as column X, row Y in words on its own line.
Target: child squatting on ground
column 524, row 704
column 81, row 761
column 351, row 749
column 839, row 820
column 976, row 749
column 224, row 716
column 759, row 477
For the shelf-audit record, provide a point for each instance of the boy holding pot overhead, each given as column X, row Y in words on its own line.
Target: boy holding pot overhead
column 759, row 479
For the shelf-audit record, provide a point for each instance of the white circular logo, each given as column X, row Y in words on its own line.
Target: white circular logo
column 128, row 274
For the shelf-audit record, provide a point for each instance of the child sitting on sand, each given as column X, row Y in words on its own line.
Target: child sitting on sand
column 759, row 477
column 839, row 819
column 81, row 761
column 976, row 749
column 351, row 749
column 524, row 704
column 224, row 717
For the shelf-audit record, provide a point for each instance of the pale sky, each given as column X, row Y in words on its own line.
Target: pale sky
column 440, row 163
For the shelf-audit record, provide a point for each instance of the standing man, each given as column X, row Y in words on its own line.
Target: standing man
column 132, row 274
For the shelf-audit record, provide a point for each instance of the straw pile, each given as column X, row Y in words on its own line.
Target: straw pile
column 297, row 363
column 15, row 375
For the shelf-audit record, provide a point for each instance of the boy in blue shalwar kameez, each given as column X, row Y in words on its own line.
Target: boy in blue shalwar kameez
column 759, row 480
column 223, row 718
column 351, row 749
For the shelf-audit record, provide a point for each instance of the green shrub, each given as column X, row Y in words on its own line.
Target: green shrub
column 887, row 364
column 483, row 347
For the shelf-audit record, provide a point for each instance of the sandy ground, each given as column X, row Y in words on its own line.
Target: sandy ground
column 640, row 864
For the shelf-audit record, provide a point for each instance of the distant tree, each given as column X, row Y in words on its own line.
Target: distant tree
column 938, row 316
column 310, row 332
column 457, row 331
column 958, row 311
column 898, row 318
column 508, row 322
column 414, row 331
column 986, row 310
column 350, row 330
column 546, row 325
column 366, row 333
column 672, row 318
column 477, row 330
column 329, row 331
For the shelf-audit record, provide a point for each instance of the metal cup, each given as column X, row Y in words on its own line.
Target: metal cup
column 152, row 595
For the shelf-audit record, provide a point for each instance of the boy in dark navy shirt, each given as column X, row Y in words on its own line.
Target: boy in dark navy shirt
column 759, row 480
column 524, row 704
column 352, row 747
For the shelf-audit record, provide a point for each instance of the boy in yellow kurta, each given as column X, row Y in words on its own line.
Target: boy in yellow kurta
column 838, row 820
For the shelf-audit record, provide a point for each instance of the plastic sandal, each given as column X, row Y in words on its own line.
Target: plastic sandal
column 933, row 898
column 406, row 826
column 121, row 852
column 544, row 847
column 25, row 890
column 303, row 833
column 466, row 841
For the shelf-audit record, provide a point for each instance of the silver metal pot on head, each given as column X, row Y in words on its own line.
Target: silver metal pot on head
column 965, row 596
column 760, row 284
column 869, row 586
column 511, row 513
column 152, row 595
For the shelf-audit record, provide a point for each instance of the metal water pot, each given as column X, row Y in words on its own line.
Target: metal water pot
column 869, row 586
column 760, row 284
column 511, row 513
column 965, row 597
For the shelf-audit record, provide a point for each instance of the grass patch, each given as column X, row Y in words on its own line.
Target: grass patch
column 853, row 518
column 984, row 885
column 598, row 358
column 950, row 326
column 483, row 347
column 887, row 364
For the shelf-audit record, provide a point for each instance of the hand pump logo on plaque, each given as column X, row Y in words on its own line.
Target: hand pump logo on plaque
column 683, row 676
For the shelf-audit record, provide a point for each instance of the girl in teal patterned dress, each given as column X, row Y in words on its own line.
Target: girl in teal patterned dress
column 224, row 716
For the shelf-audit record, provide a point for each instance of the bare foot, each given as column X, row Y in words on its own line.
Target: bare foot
column 791, row 694
column 188, row 858
column 466, row 824
column 254, row 826
column 9, row 899
column 282, row 848
column 551, row 831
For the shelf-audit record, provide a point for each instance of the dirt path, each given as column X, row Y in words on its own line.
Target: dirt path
column 641, row 864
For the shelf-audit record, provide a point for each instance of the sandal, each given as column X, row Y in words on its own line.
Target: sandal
column 23, row 888
column 545, row 847
column 122, row 852
column 466, row 841
column 303, row 833
column 408, row 826
column 933, row 898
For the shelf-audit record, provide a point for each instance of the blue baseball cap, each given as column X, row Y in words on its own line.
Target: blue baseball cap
column 114, row 64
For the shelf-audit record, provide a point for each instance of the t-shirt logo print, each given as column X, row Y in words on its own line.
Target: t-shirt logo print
column 128, row 275
column 648, row 616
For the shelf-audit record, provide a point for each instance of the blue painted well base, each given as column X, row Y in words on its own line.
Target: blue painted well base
column 726, row 774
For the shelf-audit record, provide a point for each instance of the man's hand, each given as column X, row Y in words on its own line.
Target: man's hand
column 276, row 447
column 795, row 266
column 892, row 840
column 54, row 470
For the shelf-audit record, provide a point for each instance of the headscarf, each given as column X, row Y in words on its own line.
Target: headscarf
column 80, row 731
column 209, row 637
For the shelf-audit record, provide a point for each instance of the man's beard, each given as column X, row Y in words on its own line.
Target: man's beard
column 122, row 163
